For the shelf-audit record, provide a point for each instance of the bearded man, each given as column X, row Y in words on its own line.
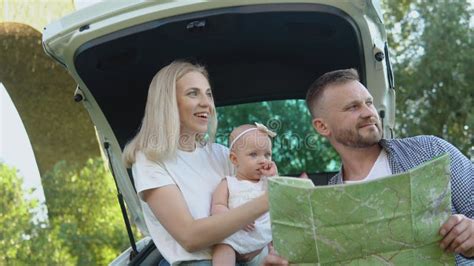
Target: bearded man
column 343, row 111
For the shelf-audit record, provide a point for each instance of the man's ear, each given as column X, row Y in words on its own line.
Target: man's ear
column 321, row 127
column 233, row 158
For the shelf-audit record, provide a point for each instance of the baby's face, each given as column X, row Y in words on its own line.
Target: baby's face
column 251, row 153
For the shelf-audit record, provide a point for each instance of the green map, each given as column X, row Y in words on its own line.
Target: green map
column 393, row 220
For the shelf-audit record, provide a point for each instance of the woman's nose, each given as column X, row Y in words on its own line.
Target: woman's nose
column 204, row 100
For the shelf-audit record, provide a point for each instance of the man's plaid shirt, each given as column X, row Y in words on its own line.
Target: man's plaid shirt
column 404, row 154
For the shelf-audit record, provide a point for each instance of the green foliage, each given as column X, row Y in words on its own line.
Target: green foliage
column 15, row 216
column 85, row 225
column 83, row 208
column 21, row 240
column 434, row 53
column 296, row 148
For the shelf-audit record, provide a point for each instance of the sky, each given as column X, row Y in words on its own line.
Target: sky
column 15, row 148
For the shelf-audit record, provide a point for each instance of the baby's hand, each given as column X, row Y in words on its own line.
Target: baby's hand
column 249, row 227
column 269, row 169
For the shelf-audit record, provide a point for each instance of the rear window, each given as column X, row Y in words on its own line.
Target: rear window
column 296, row 148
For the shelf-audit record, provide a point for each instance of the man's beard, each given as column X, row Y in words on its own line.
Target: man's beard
column 352, row 137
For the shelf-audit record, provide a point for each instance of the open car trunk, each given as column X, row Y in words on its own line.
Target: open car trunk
column 254, row 51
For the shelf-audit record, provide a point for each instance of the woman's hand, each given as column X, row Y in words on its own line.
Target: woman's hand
column 273, row 259
column 249, row 256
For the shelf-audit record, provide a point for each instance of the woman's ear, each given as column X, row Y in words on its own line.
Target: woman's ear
column 321, row 127
column 233, row 158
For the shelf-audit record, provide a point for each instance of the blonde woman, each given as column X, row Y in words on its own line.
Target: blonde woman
column 176, row 170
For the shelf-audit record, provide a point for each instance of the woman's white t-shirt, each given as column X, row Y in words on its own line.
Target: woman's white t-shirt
column 197, row 175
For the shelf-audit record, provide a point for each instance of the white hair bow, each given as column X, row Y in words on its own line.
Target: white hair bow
column 264, row 129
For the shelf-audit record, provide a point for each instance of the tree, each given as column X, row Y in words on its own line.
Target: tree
column 83, row 208
column 21, row 239
column 15, row 215
column 433, row 50
column 297, row 147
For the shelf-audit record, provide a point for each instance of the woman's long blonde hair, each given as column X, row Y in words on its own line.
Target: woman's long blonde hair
column 158, row 136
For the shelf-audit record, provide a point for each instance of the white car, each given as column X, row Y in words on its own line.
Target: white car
column 262, row 55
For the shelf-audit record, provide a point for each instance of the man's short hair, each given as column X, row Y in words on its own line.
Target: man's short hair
column 336, row 77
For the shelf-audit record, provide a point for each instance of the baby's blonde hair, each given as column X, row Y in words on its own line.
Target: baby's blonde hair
column 236, row 131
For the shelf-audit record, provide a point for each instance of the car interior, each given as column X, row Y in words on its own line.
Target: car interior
column 251, row 57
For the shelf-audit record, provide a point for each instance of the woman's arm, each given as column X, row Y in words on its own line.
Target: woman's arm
column 169, row 207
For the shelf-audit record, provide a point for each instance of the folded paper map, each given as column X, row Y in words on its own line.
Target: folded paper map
column 393, row 220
